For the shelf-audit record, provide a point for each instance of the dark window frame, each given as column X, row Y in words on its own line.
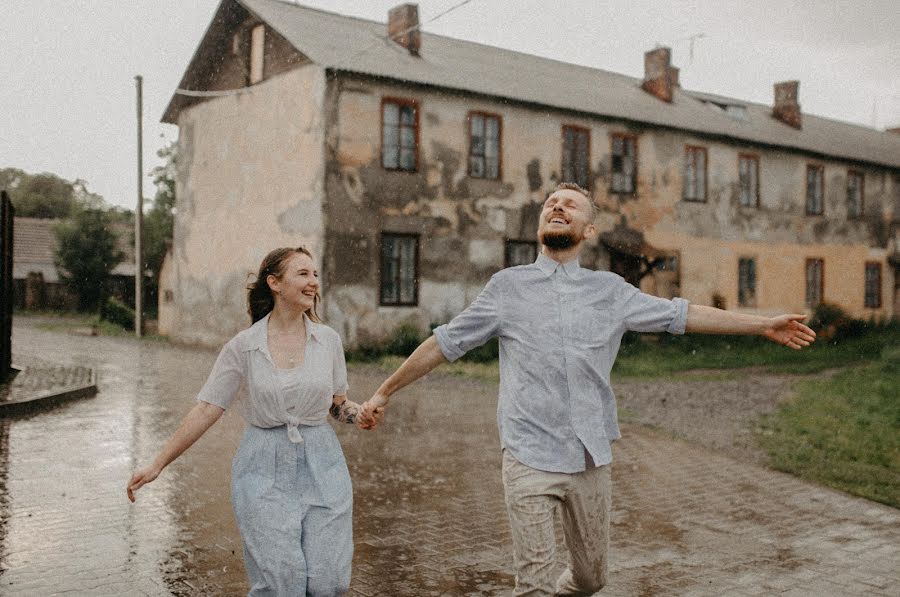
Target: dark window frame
column 688, row 151
column 634, row 174
column 400, row 102
column 755, row 159
column 876, row 302
column 862, row 193
column 743, row 299
column 510, row 242
column 820, row 169
column 485, row 115
column 399, row 302
column 821, row 289
column 587, row 160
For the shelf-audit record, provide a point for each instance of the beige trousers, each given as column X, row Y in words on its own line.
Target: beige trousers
column 532, row 497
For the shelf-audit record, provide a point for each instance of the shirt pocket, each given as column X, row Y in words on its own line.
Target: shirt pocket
column 592, row 326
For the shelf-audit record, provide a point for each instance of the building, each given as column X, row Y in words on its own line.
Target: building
column 414, row 167
column 37, row 284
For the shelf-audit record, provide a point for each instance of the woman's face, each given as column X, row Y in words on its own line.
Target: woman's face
column 298, row 284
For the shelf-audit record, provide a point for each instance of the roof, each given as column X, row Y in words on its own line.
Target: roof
column 354, row 45
column 35, row 244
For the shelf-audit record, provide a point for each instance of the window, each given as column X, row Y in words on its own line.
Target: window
column 695, row 173
column 624, row 164
column 484, row 145
column 399, row 134
column 399, row 265
column 815, row 190
column 520, row 252
column 873, row 285
column 815, row 271
column 748, row 180
column 576, row 156
column 747, row 282
column 257, row 52
column 855, row 190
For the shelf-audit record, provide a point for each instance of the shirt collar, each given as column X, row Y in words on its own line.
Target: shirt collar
column 259, row 332
column 548, row 266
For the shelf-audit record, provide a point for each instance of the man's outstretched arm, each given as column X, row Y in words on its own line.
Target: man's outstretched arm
column 787, row 330
column 423, row 359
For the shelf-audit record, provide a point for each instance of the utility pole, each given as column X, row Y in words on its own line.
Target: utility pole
column 139, row 218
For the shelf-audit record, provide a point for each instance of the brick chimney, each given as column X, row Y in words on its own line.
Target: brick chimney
column 401, row 19
column 673, row 77
column 786, row 108
column 660, row 77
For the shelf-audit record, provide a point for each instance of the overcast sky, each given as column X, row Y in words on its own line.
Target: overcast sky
column 67, row 102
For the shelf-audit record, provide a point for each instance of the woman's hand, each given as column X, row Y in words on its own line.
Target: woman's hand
column 369, row 419
column 141, row 478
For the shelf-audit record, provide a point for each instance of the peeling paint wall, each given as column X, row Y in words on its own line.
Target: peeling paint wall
column 250, row 179
column 463, row 221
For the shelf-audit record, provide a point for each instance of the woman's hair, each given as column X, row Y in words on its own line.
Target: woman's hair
column 260, row 300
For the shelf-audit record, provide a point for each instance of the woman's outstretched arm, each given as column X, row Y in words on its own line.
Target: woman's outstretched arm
column 193, row 425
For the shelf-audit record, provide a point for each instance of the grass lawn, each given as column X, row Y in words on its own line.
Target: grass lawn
column 843, row 432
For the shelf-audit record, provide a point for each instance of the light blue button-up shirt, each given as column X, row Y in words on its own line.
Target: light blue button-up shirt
column 560, row 327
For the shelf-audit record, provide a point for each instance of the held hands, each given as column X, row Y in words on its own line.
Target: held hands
column 373, row 407
column 788, row 331
column 369, row 419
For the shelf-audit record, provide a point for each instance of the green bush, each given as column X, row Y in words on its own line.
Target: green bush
column 117, row 312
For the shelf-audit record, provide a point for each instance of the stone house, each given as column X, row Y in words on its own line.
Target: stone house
column 37, row 284
column 414, row 166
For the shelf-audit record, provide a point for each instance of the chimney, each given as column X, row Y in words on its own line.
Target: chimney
column 786, row 108
column 403, row 27
column 660, row 77
column 673, row 77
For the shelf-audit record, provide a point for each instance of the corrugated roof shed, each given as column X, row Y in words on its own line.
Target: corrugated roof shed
column 360, row 46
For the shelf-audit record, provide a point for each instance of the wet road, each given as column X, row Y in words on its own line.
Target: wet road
column 429, row 515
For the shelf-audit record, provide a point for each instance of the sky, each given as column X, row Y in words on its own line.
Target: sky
column 68, row 101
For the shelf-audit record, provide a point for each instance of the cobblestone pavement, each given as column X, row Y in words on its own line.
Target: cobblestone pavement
column 38, row 376
column 429, row 515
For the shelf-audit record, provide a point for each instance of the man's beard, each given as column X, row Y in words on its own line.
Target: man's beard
column 558, row 240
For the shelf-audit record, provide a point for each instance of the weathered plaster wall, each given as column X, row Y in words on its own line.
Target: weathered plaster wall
column 464, row 221
column 251, row 178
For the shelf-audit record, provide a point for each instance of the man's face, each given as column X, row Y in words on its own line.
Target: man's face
column 565, row 220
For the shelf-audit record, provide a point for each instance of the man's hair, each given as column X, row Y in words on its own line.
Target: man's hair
column 571, row 186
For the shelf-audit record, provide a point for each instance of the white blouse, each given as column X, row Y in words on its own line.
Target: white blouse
column 290, row 397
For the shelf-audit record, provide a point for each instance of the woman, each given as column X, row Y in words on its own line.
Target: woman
column 290, row 486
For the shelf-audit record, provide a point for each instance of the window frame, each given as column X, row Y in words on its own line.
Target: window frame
column 821, row 289
column 862, row 193
column 381, row 273
column 755, row 159
column 634, row 174
column 587, row 162
column 821, row 199
column 485, row 115
column 257, row 54
column 689, row 150
column 743, row 301
column 877, row 304
column 400, row 102
column 510, row 242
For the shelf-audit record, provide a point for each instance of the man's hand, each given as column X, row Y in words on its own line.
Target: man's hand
column 788, row 331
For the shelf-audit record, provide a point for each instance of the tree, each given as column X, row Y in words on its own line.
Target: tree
column 87, row 254
column 46, row 195
column 159, row 220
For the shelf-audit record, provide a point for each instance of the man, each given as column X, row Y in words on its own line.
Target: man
column 560, row 327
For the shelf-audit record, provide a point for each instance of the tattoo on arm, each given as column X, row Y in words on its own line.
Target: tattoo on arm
column 345, row 412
